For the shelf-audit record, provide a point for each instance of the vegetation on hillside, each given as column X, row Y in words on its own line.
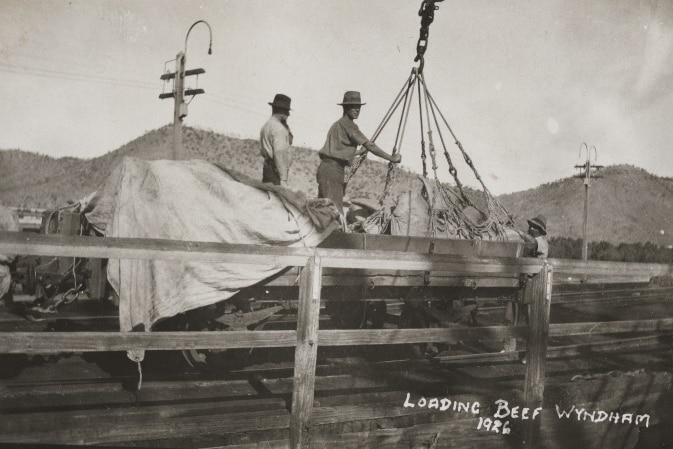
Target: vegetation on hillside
column 627, row 205
column 38, row 181
column 568, row 248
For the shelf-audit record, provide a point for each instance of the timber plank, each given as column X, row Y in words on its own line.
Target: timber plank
column 160, row 249
column 306, row 353
column 82, row 429
column 605, row 327
column 128, row 248
column 539, row 289
column 39, row 343
column 49, row 342
column 398, row 336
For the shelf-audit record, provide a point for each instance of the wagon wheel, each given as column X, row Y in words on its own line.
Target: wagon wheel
column 376, row 314
column 347, row 311
column 351, row 311
column 197, row 358
column 423, row 313
column 240, row 317
column 412, row 318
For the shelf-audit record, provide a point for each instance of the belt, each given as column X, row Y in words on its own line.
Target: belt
column 341, row 162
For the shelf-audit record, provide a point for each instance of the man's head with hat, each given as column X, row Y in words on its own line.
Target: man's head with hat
column 351, row 104
column 281, row 105
column 538, row 225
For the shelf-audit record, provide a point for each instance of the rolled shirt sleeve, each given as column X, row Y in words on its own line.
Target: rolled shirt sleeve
column 342, row 140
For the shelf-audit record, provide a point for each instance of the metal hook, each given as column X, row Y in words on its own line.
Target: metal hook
column 420, row 64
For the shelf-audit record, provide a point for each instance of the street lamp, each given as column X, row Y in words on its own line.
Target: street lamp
column 180, row 107
column 588, row 172
column 210, row 44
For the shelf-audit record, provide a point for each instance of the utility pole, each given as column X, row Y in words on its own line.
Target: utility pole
column 179, row 93
column 586, row 175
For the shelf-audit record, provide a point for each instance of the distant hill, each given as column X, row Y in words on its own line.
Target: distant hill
column 626, row 205
column 33, row 180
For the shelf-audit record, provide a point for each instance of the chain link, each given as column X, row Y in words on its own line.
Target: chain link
column 427, row 14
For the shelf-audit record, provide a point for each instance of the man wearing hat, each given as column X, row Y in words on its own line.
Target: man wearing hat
column 275, row 139
column 343, row 139
column 537, row 232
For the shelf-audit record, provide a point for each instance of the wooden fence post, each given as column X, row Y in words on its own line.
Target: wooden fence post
column 536, row 351
column 306, row 353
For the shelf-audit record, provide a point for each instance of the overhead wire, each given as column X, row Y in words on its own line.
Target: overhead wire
column 59, row 74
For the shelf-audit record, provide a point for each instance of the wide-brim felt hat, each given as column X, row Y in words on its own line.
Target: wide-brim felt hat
column 539, row 222
column 281, row 101
column 351, row 98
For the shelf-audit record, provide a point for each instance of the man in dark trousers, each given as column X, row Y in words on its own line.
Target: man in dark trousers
column 340, row 148
column 275, row 139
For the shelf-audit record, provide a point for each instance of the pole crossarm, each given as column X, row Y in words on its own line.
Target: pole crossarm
column 170, row 76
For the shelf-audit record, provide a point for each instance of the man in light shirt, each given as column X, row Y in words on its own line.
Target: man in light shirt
column 275, row 139
column 341, row 147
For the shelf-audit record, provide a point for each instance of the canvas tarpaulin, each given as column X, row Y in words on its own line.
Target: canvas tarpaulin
column 196, row 201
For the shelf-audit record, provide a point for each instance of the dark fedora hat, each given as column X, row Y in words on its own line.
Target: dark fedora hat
column 281, row 101
column 351, row 98
column 539, row 222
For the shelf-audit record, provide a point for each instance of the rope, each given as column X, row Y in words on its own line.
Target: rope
column 450, row 217
column 420, row 115
column 504, row 217
column 401, row 127
column 452, row 169
column 386, row 118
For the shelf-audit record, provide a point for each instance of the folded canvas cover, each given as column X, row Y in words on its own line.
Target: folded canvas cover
column 196, row 201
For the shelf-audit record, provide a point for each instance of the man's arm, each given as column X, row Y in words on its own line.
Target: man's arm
column 281, row 154
column 375, row 150
column 527, row 238
column 282, row 161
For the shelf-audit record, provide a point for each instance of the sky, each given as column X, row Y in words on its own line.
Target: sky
column 523, row 83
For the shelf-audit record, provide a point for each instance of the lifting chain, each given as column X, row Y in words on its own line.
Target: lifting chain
column 401, row 127
column 427, row 13
column 402, row 94
column 443, row 217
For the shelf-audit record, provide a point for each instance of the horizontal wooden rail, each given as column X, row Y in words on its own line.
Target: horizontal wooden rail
column 159, row 249
column 610, row 327
column 401, row 336
column 608, row 269
column 125, row 248
column 49, row 342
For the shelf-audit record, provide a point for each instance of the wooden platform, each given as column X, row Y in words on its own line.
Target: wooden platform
column 359, row 400
column 560, row 355
column 360, row 392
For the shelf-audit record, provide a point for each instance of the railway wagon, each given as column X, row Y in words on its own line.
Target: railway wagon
column 352, row 298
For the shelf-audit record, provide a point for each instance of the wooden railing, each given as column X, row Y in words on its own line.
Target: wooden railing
column 308, row 336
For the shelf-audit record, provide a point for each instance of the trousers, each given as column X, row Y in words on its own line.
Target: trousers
column 270, row 172
column 330, row 177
